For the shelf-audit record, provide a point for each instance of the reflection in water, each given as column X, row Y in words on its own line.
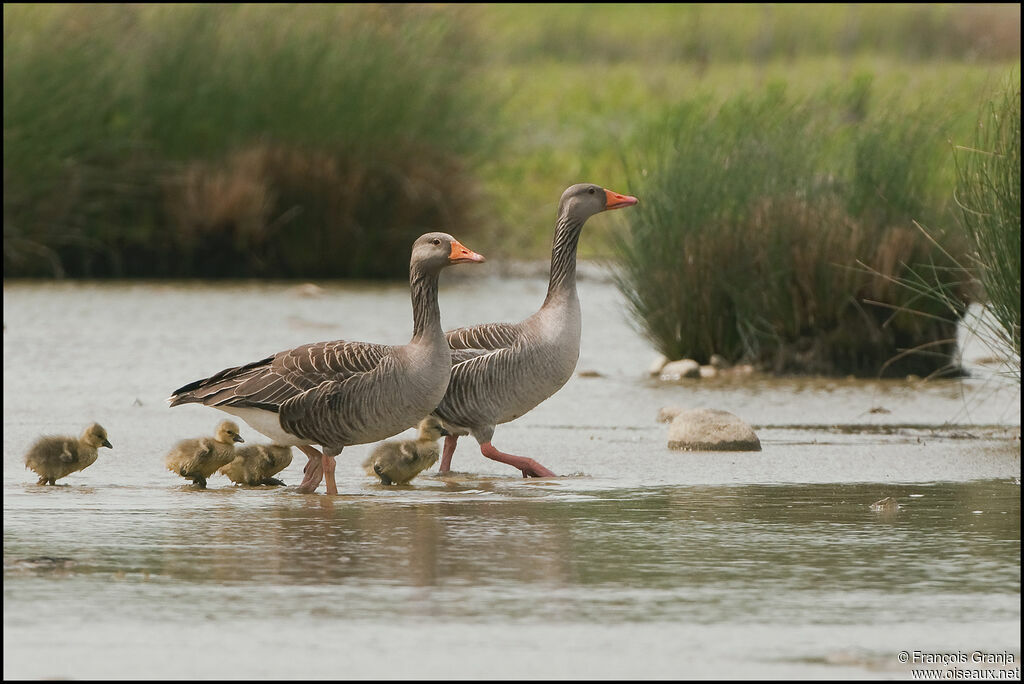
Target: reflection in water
column 811, row 553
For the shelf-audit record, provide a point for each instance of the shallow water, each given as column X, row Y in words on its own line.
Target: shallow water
column 637, row 562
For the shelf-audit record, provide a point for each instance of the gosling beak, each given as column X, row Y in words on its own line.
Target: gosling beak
column 461, row 255
column 444, row 433
column 238, row 438
column 614, row 200
column 108, row 444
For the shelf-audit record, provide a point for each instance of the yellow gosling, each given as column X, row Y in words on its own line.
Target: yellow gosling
column 400, row 462
column 198, row 459
column 256, row 464
column 54, row 457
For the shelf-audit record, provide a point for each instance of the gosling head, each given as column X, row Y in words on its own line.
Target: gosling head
column 227, row 432
column 96, row 437
column 583, row 200
column 431, row 429
column 434, row 251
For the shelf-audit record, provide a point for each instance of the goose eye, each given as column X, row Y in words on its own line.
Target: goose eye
column 436, row 241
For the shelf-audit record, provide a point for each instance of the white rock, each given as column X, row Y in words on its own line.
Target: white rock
column 684, row 368
column 308, row 290
column 711, row 430
column 708, row 371
column 657, row 364
column 718, row 361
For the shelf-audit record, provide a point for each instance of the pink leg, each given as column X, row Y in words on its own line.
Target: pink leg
column 313, row 470
column 449, row 449
column 328, row 468
column 529, row 467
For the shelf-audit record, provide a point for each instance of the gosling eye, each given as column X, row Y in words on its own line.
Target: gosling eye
column 436, row 241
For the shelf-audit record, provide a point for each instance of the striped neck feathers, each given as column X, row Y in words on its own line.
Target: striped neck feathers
column 563, row 257
column 426, row 315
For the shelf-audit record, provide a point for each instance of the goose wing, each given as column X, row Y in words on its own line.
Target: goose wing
column 338, row 411
column 270, row 382
column 476, row 380
column 489, row 336
column 481, row 340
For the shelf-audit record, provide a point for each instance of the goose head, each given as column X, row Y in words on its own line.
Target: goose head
column 227, row 432
column 96, row 437
column 583, row 200
column 434, row 251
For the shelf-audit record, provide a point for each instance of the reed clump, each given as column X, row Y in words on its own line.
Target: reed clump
column 754, row 217
column 988, row 197
column 235, row 140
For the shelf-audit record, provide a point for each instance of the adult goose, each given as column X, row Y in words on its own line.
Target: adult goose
column 340, row 393
column 502, row 370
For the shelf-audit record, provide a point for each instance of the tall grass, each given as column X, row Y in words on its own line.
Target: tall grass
column 226, row 140
column 988, row 195
column 753, row 217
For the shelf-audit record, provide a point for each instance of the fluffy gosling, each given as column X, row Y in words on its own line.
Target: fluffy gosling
column 254, row 465
column 54, row 457
column 198, row 459
column 400, row 462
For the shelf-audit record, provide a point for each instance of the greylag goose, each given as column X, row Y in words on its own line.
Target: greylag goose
column 502, row 370
column 51, row 458
column 198, row 459
column 337, row 394
column 400, row 462
column 257, row 464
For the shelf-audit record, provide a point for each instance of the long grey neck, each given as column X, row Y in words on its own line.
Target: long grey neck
column 562, row 285
column 426, row 315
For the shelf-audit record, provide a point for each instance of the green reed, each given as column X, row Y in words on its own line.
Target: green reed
column 755, row 216
column 227, row 140
column 988, row 195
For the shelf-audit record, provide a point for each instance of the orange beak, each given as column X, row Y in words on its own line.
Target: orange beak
column 461, row 255
column 614, row 200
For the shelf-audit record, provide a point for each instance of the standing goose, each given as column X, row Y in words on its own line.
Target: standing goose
column 502, row 370
column 336, row 394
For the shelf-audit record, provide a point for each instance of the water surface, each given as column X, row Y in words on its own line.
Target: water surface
column 637, row 561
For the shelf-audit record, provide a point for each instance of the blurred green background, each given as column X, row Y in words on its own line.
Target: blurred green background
column 310, row 141
column 317, row 141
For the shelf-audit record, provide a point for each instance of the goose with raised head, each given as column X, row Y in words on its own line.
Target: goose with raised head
column 337, row 394
column 52, row 458
column 502, row 370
